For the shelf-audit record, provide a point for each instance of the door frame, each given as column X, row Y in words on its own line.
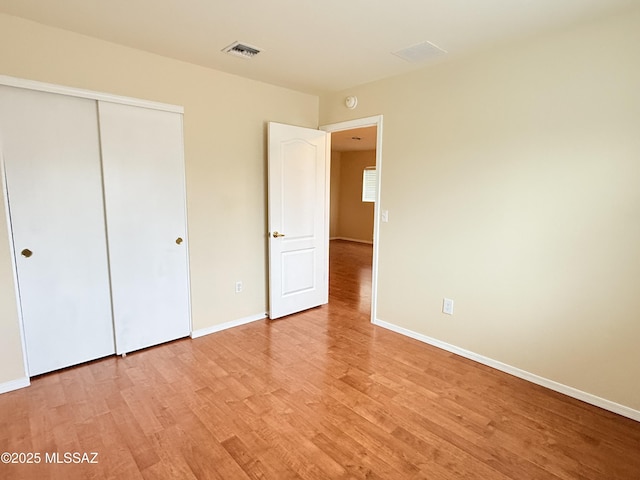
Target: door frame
column 374, row 121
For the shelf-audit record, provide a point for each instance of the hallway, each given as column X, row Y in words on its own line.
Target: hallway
column 350, row 275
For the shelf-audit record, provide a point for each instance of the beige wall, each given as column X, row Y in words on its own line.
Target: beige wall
column 224, row 126
column 11, row 363
column 512, row 180
column 334, row 213
column 352, row 217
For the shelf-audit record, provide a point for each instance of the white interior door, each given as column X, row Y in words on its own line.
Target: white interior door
column 50, row 149
column 298, row 219
column 143, row 168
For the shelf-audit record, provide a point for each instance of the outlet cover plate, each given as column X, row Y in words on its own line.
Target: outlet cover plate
column 447, row 306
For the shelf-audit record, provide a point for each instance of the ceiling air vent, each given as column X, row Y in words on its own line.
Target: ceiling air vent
column 420, row 52
column 242, row 50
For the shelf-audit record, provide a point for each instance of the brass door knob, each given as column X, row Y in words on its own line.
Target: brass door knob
column 179, row 240
column 26, row 253
column 276, row 234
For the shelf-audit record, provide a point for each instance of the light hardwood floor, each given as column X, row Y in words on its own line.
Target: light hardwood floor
column 319, row 395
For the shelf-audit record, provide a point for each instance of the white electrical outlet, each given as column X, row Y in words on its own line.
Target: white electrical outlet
column 238, row 286
column 385, row 215
column 447, row 306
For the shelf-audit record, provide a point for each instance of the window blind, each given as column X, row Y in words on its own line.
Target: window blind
column 369, row 183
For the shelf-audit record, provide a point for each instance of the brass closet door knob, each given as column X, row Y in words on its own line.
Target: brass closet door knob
column 26, row 253
column 179, row 240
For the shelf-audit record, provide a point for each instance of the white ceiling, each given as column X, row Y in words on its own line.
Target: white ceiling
column 313, row 46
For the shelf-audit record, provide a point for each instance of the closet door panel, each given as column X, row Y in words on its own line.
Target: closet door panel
column 50, row 150
column 143, row 168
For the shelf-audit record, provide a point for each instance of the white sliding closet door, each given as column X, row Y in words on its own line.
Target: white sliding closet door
column 50, row 150
column 143, row 168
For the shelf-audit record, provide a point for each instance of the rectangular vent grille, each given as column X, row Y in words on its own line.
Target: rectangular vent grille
column 242, row 50
column 420, row 52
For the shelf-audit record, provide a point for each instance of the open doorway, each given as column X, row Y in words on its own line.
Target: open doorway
column 354, row 215
column 297, row 283
column 353, row 174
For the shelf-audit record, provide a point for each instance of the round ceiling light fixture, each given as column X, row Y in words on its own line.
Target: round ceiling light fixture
column 351, row 102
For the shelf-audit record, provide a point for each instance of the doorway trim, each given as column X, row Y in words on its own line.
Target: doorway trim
column 375, row 121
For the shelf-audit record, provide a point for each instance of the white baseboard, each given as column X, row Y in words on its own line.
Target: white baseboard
column 516, row 372
column 14, row 384
column 224, row 326
column 347, row 239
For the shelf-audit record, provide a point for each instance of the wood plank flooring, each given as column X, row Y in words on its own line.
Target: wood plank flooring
column 319, row 395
